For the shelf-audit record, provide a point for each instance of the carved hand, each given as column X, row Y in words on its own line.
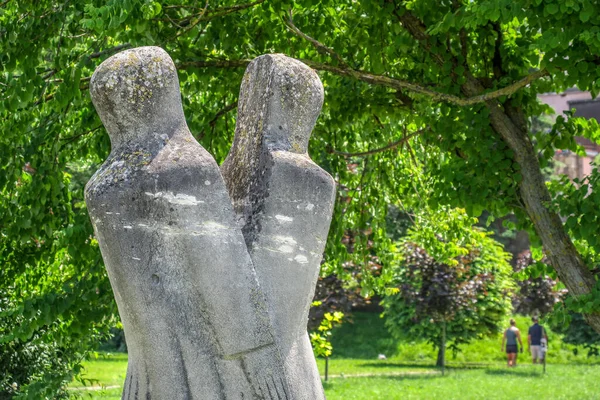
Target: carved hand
column 267, row 378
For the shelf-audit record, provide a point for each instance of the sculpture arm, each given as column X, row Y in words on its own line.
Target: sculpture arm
column 237, row 312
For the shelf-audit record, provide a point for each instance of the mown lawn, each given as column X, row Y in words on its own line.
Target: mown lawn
column 107, row 369
column 355, row 372
column 524, row 382
column 397, row 380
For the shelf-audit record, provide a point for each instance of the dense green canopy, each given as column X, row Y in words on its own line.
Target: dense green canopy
column 446, row 87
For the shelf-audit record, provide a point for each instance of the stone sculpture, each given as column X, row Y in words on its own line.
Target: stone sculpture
column 284, row 200
column 200, row 297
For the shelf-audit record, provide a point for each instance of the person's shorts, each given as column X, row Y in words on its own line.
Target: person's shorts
column 536, row 352
column 511, row 348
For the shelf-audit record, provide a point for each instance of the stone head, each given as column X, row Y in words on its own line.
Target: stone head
column 136, row 93
column 293, row 100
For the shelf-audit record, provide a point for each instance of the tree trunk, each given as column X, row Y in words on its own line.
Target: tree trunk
column 441, row 357
column 511, row 126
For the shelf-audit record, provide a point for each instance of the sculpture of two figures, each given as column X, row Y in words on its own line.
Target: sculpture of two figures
column 213, row 269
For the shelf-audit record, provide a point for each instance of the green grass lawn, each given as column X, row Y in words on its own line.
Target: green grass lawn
column 524, row 382
column 355, row 372
column 398, row 380
column 106, row 369
column 103, row 377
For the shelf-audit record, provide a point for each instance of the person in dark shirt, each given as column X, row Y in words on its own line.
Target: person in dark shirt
column 534, row 340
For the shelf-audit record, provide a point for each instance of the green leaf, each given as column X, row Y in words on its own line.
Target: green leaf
column 537, row 253
column 551, row 8
column 585, row 14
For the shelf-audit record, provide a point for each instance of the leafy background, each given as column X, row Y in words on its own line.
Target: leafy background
column 396, row 132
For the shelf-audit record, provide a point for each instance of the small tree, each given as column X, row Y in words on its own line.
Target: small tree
column 450, row 301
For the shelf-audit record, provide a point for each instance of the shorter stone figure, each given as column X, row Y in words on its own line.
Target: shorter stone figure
column 535, row 336
column 284, row 201
column 195, row 319
column 511, row 335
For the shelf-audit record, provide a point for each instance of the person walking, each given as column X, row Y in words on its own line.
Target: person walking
column 511, row 335
column 534, row 340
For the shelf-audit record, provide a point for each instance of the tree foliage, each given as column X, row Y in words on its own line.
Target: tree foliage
column 578, row 333
column 319, row 338
column 445, row 86
column 334, row 295
column 538, row 292
column 447, row 291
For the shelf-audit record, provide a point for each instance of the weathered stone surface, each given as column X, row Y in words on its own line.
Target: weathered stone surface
column 284, row 201
column 195, row 320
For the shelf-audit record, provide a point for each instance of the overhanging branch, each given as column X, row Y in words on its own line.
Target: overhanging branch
column 290, row 25
column 390, row 146
column 219, row 114
column 382, row 80
column 214, row 64
column 194, row 22
column 205, row 14
column 110, row 51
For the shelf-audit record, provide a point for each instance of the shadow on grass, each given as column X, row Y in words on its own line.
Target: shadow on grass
column 327, row 384
column 467, row 365
column 515, row 372
column 396, row 365
column 111, row 357
column 413, row 377
column 426, row 366
column 407, row 377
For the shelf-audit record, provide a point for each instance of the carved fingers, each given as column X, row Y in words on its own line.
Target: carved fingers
column 266, row 376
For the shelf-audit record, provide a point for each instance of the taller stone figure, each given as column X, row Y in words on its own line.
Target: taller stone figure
column 284, row 201
column 195, row 319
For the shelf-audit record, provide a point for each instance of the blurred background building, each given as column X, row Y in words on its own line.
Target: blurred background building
column 569, row 163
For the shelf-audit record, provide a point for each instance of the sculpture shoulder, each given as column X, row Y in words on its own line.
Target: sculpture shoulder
column 300, row 167
column 180, row 161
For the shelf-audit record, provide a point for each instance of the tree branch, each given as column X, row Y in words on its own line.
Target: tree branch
column 381, row 149
column 227, row 9
column 218, row 115
column 464, row 48
column 111, row 50
column 417, row 29
column 222, row 112
column 74, row 137
column 217, row 12
column 381, row 80
column 49, row 74
column 194, row 23
column 214, row 64
column 220, row 11
column 320, row 46
column 181, row 6
column 497, row 67
column 51, row 96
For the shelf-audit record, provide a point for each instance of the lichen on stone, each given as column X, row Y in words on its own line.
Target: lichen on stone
column 133, row 75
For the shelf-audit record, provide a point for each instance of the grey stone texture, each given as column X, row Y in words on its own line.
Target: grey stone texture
column 284, row 202
column 196, row 321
